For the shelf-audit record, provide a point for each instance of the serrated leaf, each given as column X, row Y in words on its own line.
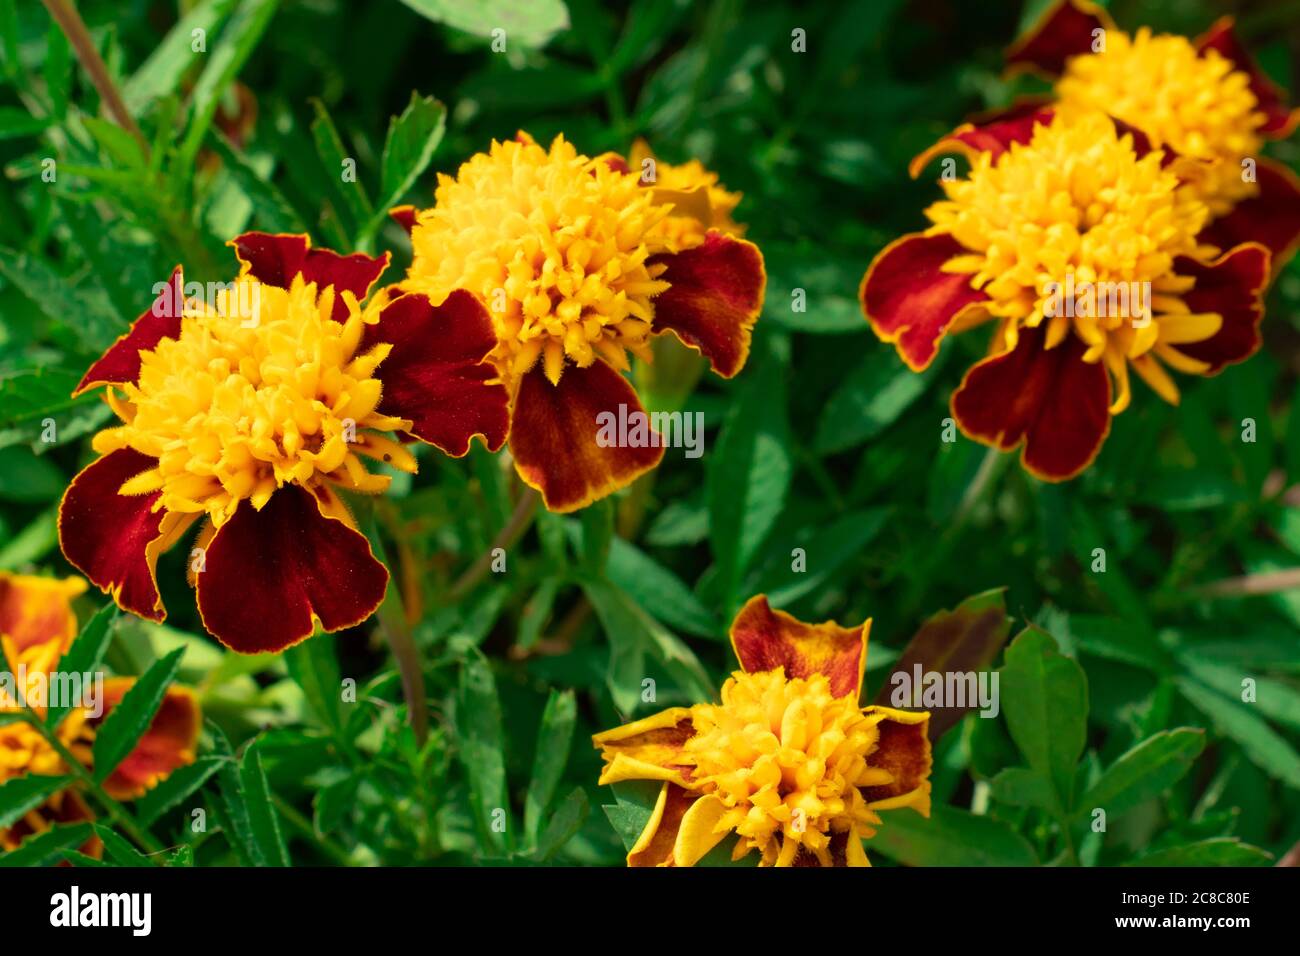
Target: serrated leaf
column 413, row 138
column 128, row 721
column 21, row 794
column 175, row 788
column 334, row 158
column 119, row 850
column 479, row 738
column 1266, row 748
column 49, row 847
column 84, row 656
column 1145, row 771
column 263, row 820
column 315, row 668
column 554, row 738
column 161, row 73
column 1219, row 851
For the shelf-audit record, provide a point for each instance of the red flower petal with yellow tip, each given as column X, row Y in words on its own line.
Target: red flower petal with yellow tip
column 765, row 639
column 1232, row 286
column 714, row 297
column 269, row 574
column 1271, row 217
column 168, row 744
column 112, row 538
column 37, row 610
column 437, row 375
column 910, row 301
column 992, row 133
column 121, row 362
column 1065, row 30
column 1222, row 38
column 1053, row 401
column 554, row 431
column 276, row 259
column 404, row 216
column 904, row 751
column 648, row 749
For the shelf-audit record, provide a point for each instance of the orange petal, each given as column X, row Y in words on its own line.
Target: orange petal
column 554, row 429
column 168, row 744
column 910, row 301
column 765, row 639
column 903, row 750
column 648, row 749
column 37, row 610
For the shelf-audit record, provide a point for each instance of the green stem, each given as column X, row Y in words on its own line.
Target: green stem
column 300, row 823
column 507, row 537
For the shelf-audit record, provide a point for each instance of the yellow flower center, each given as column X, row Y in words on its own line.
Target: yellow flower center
column 787, row 759
column 1197, row 104
column 557, row 247
column 263, row 388
column 1073, row 228
column 712, row 210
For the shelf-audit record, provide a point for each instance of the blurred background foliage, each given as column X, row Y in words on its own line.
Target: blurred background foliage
column 825, row 442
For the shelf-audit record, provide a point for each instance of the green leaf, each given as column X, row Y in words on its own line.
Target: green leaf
column 334, row 157
column 1219, row 851
column 118, row 145
column 84, row 656
column 479, row 738
column 635, row 803
column 48, row 847
column 88, row 313
column 1145, row 771
column 15, row 123
column 536, row 613
column 413, row 138
column 315, row 668
column 529, row 24
column 175, row 788
column 566, row 821
column 162, row 72
column 873, row 396
column 33, row 542
column 828, row 549
column 58, row 70
column 128, row 721
column 21, row 794
column 26, row 479
column 333, row 803
column 1022, row 787
column 951, row 837
column 1267, row 749
column 263, row 820
column 1044, row 698
column 597, row 527
column 554, row 739
column 273, row 211
column 119, row 850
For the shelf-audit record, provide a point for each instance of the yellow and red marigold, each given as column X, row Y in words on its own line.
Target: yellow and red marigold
column 37, row 626
column 789, row 761
column 1052, row 203
column 580, row 263
column 1205, row 99
column 248, row 413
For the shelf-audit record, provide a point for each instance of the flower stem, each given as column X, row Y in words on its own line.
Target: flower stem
column 519, row 522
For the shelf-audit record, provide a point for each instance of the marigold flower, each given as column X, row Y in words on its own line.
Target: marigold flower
column 1203, row 98
column 1054, row 204
column 37, row 626
column 250, row 412
column 580, row 263
column 788, row 760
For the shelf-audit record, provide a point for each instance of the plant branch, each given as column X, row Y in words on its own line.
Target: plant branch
column 525, row 511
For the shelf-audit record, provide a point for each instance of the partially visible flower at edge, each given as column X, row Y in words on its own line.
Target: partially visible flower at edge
column 37, row 626
column 788, row 761
column 252, row 422
column 579, row 262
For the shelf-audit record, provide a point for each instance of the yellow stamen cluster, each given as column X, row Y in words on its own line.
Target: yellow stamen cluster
column 263, row 388
column 557, row 245
column 700, row 202
column 1197, row 104
column 1075, row 208
column 786, row 759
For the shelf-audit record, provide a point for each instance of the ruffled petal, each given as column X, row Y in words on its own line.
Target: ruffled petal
column 120, row 364
column 903, row 750
column 1271, row 216
column 991, row 133
column 714, row 297
column 276, row 259
column 269, row 573
column 1222, row 38
column 765, row 639
column 112, row 538
column 438, row 375
column 554, row 436
column 37, row 610
column 1065, row 30
column 657, row 842
column 1050, row 399
column 404, row 216
column 648, row 749
column 1231, row 286
column 910, row 301
column 169, row 744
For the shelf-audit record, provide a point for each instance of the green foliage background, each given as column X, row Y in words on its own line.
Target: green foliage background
column 825, row 441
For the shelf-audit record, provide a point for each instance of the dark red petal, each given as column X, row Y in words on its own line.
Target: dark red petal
column 106, row 536
column 1222, row 38
column 553, row 436
column 910, row 301
column 276, row 259
column 1271, row 217
column 1050, row 399
column 169, row 742
column 765, row 639
column 404, row 216
column 121, row 363
column 437, row 374
column 268, row 572
column 991, row 133
column 714, row 297
column 1232, row 286
column 1065, row 30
